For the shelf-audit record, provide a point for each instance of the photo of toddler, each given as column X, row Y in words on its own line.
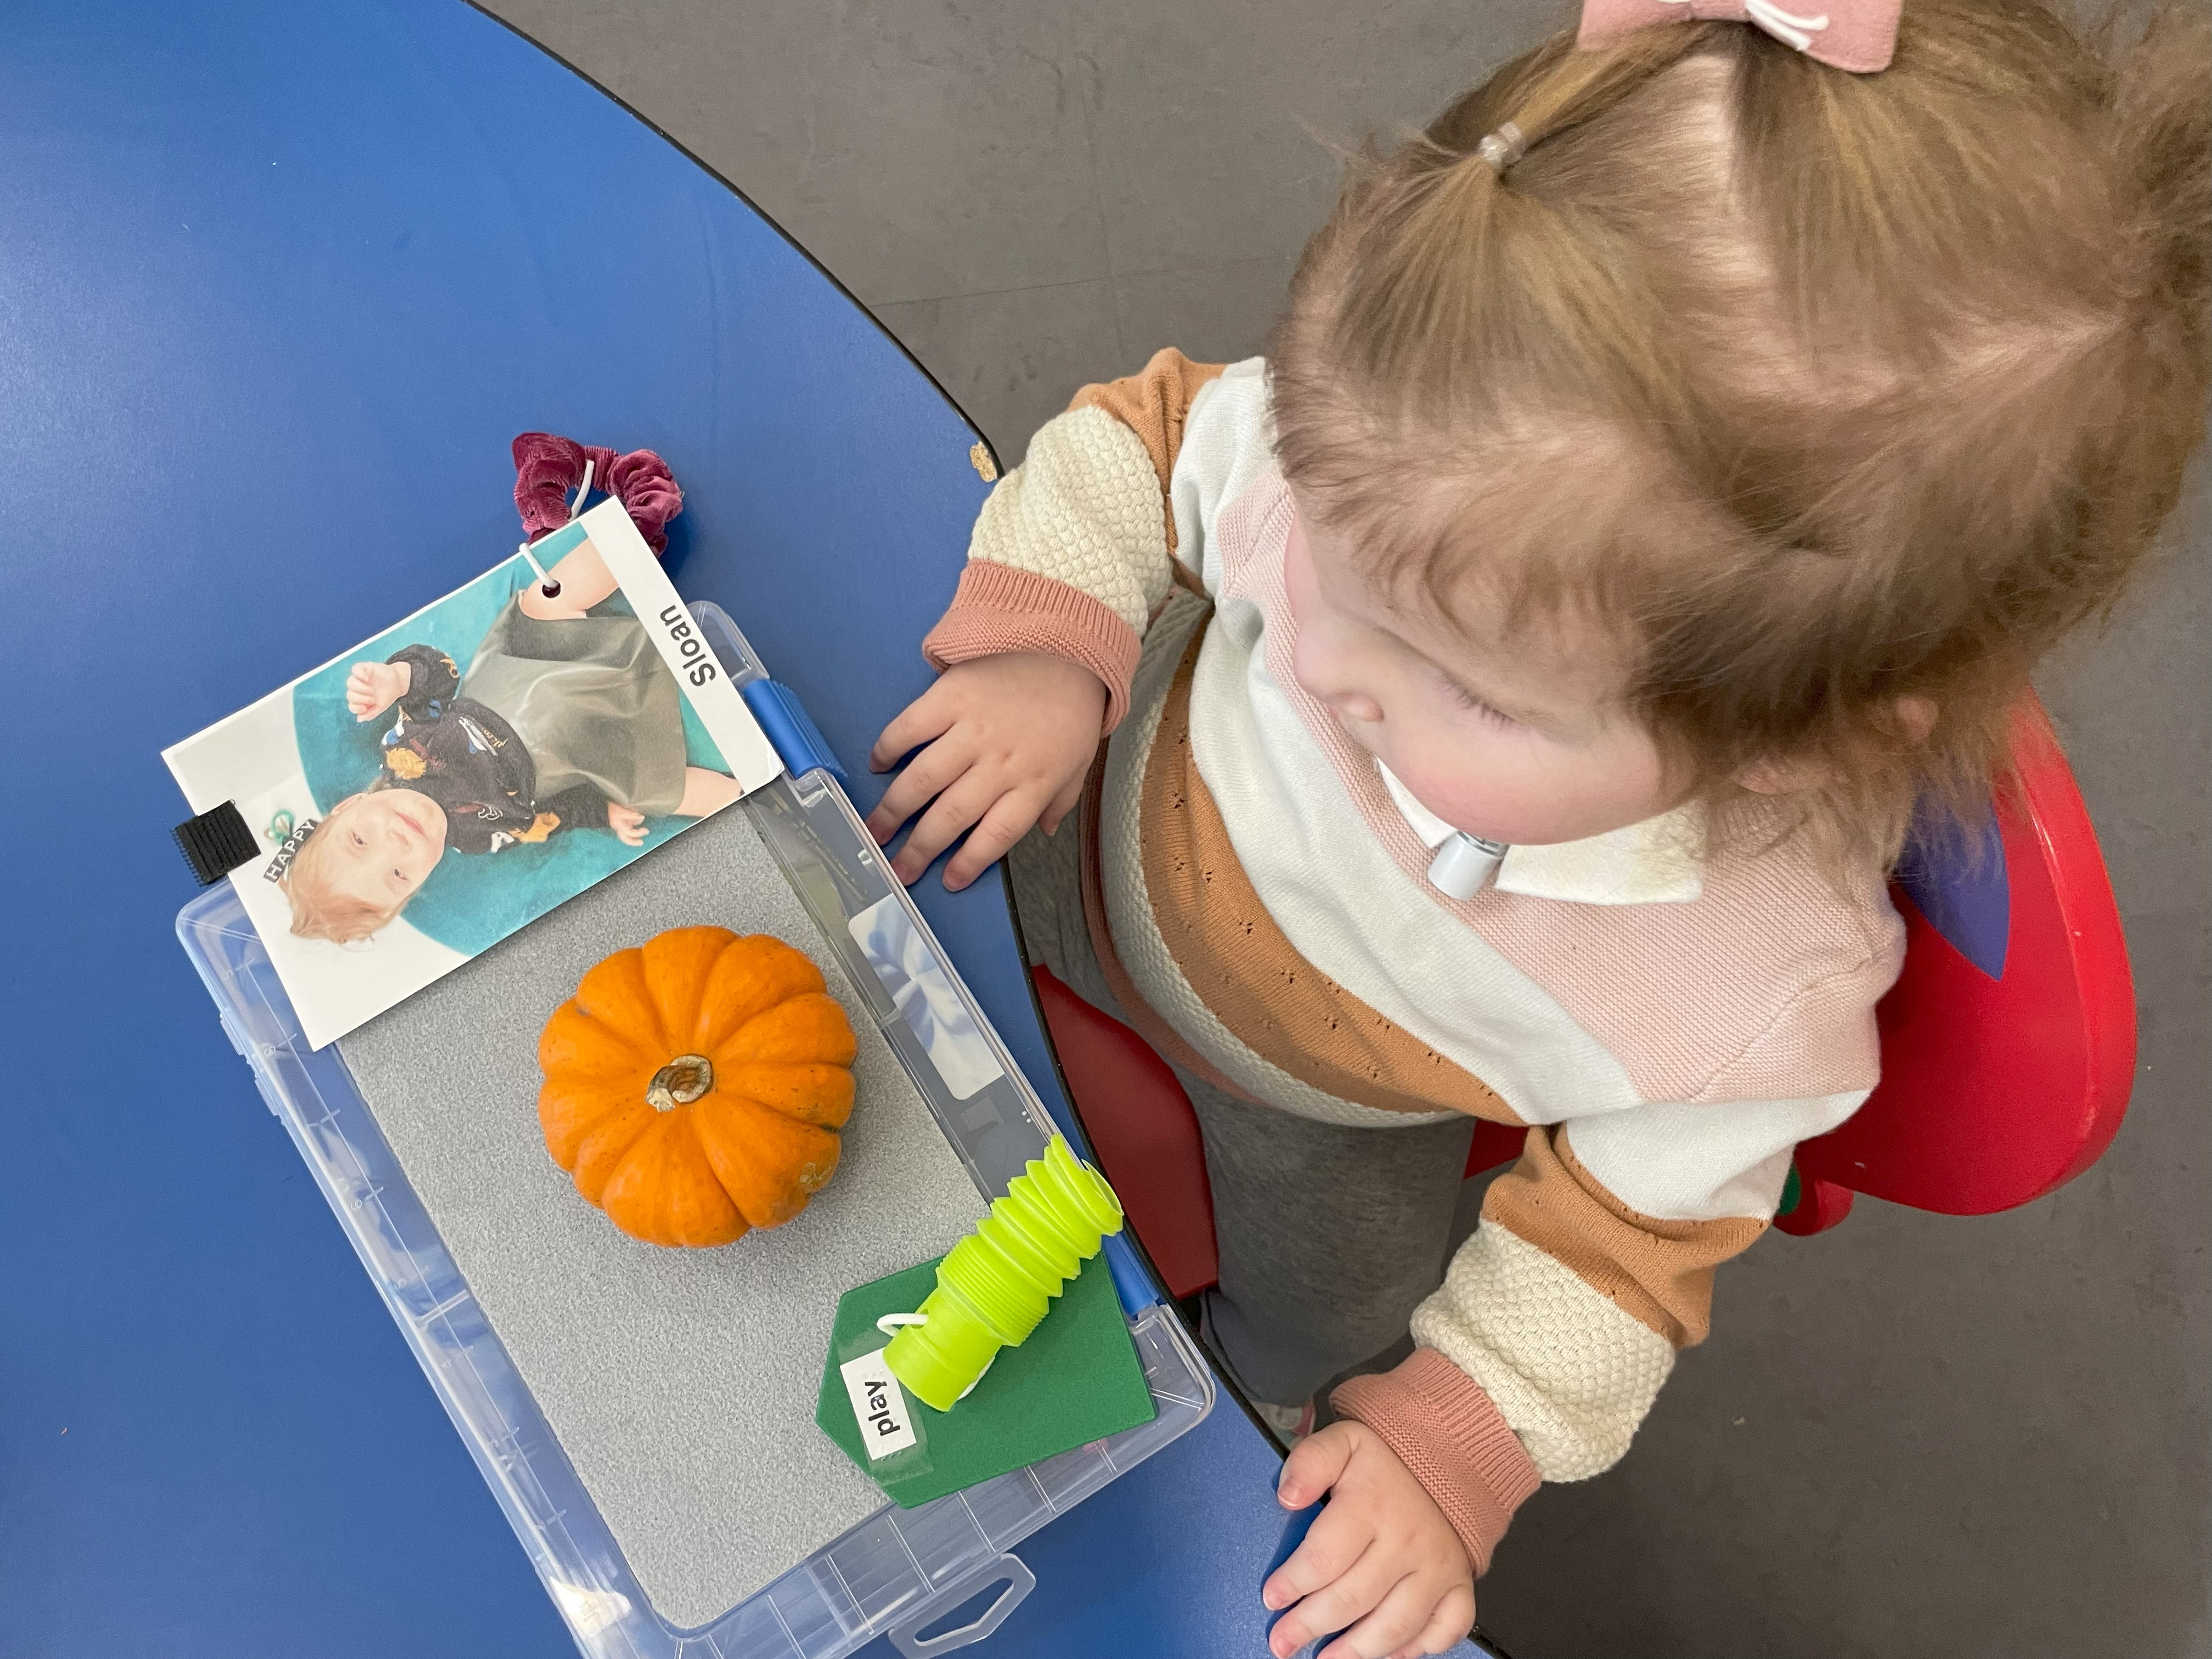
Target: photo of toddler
column 565, row 720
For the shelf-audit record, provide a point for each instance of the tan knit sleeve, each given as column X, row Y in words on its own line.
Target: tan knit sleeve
column 1658, row 1272
column 1154, row 402
column 1074, row 549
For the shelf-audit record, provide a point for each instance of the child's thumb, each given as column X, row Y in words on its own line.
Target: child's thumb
column 1314, row 1466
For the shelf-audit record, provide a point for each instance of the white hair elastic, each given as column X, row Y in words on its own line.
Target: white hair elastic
column 1503, row 147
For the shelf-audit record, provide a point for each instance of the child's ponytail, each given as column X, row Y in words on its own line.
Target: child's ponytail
column 1437, row 233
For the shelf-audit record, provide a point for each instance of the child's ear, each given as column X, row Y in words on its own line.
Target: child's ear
column 1916, row 719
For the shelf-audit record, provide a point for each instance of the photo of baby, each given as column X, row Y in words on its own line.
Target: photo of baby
column 566, row 720
column 425, row 795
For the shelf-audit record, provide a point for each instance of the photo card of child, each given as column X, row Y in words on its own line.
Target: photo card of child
column 424, row 795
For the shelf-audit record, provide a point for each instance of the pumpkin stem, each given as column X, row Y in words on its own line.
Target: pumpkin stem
column 680, row 1082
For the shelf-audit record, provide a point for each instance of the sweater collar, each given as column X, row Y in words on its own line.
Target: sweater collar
column 1655, row 862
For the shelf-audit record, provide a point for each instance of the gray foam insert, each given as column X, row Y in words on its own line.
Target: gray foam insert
column 681, row 1383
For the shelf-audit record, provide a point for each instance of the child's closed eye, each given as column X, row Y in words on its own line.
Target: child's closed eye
column 1467, row 699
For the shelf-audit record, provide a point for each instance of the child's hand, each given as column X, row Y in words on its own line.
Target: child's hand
column 1381, row 1549
column 1009, row 739
column 374, row 687
column 628, row 823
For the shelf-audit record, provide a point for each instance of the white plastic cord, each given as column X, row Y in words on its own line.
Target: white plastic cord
column 574, row 507
column 890, row 1322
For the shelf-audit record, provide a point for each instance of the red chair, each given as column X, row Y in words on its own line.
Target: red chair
column 2007, row 1043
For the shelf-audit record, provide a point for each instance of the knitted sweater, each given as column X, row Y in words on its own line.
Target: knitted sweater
column 1667, row 1025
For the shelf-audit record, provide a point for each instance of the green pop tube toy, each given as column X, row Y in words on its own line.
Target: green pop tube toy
column 997, row 1284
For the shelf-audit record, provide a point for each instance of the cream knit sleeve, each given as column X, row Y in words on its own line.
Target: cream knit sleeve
column 1073, row 551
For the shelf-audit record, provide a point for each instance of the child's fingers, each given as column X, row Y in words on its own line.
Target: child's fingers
column 923, row 720
column 1341, row 1598
column 1326, row 1553
column 1401, row 1615
column 1451, row 1621
column 1315, row 1465
column 957, row 807
column 1008, row 820
column 1063, row 803
column 928, row 775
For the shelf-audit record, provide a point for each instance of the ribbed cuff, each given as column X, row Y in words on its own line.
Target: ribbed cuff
column 1445, row 1429
column 998, row 609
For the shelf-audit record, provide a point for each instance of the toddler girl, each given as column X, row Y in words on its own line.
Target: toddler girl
column 1670, row 465
column 565, row 718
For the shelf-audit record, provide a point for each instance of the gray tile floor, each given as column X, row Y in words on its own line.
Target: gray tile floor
column 1914, row 1436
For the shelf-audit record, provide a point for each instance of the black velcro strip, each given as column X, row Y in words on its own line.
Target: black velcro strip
column 216, row 842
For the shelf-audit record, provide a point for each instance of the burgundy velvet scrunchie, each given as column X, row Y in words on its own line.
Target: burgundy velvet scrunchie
column 548, row 469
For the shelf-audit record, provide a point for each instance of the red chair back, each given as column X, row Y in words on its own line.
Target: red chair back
column 1142, row 1132
column 2008, row 1041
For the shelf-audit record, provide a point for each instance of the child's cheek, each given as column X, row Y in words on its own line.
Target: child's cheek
column 1481, row 786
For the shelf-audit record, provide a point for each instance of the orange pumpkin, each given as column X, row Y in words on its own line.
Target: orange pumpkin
column 694, row 1085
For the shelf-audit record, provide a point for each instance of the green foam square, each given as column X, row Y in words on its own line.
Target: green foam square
column 1075, row 1380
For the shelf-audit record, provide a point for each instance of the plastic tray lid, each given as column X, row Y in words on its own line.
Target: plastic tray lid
column 895, row 1572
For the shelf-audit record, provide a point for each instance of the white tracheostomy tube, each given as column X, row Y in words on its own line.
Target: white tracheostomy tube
column 1462, row 864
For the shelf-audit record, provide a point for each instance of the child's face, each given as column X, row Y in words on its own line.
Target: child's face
column 1518, row 742
column 382, row 846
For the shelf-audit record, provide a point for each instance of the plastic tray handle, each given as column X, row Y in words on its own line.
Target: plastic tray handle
column 1020, row 1581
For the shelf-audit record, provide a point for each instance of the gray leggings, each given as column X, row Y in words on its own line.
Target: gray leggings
column 1329, row 1236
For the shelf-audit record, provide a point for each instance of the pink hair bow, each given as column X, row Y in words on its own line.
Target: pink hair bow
column 1858, row 35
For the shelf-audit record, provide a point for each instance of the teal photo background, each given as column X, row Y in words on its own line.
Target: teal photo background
column 470, row 902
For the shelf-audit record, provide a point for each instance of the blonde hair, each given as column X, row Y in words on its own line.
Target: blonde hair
column 1875, row 385
column 317, row 911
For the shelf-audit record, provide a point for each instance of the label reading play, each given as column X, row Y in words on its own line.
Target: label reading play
column 879, row 1404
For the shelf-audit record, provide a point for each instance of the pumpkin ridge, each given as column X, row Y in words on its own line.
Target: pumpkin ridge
column 815, row 1093
column 570, row 1108
column 664, row 1192
column 676, row 964
column 602, row 1148
column 574, row 1043
column 616, row 992
column 802, row 1029
column 768, row 1164
column 752, row 975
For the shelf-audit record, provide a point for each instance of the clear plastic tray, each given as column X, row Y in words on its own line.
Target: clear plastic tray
column 895, row 1572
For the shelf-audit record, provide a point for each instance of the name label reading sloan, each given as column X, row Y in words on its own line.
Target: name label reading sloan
column 879, row 1404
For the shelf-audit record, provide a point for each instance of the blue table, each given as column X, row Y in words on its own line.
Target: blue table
column 278, row 281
